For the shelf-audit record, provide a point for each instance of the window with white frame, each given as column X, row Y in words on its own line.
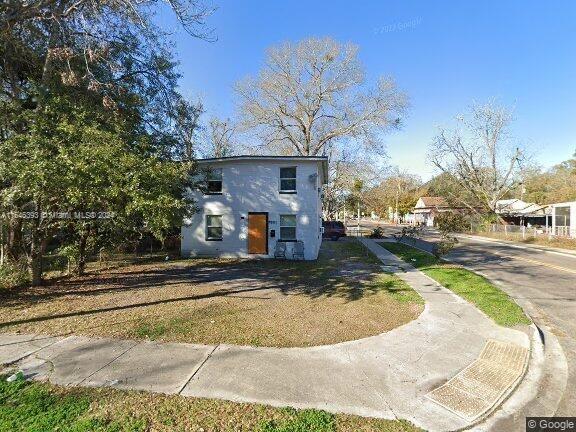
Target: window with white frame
column 562, row 216
column 214, row 181
column 213, row 227
column 287, row 227
column 288, row 180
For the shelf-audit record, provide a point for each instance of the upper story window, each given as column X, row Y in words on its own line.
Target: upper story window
column 288, row 180
column 214, row 181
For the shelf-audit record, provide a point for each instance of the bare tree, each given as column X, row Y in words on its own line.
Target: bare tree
column 345, row 171
column 479, row 155
column 220, row 138
column 311, row 96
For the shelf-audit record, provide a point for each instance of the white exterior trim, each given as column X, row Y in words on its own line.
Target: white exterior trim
column 571, row 230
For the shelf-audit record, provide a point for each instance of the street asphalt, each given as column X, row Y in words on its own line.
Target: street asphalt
column 542, row 282
column 547, row 281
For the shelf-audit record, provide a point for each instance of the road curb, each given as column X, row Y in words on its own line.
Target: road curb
column 534, row 395
column 533, row 363
column 513, row 391
column 536, row 381
column 525, row 391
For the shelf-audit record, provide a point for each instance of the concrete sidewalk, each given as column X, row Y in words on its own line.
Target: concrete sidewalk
column 384, row 376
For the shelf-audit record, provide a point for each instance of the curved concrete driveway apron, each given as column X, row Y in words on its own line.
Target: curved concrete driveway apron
column 384, row 376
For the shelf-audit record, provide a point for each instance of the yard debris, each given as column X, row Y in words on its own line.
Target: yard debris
column 18, row 376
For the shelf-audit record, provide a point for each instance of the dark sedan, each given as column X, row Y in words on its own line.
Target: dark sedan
column 333, row 230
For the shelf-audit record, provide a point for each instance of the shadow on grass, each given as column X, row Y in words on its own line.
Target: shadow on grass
column 345, row 270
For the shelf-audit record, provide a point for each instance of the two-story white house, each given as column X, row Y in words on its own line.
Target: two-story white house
column 249, row 203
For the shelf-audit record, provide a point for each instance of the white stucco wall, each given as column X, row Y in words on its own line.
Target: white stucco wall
column 253, row 186
column 572, row 206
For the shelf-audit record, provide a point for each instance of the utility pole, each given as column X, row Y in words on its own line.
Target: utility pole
column 358, row 232
column 396, row 218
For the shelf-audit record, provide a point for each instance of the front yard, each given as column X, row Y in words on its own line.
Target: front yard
column 26, row 406
column 342, row 296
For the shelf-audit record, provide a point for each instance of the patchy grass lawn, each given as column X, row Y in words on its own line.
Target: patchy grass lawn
column 476, row 289
column 344, row 295
column 33, row 406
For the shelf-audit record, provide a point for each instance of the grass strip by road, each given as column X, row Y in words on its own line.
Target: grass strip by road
column 471, row 286
column 33, row 406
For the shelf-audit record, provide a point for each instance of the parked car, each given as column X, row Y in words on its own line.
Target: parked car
column 333, row 230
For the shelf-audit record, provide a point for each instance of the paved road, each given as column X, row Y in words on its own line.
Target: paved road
column 546, row 281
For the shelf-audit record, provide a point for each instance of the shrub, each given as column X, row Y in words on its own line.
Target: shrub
column 55, row 262
column 452, row 222
column 411, row 233
column 377, row 233
column 444, row 246
column 13, row 274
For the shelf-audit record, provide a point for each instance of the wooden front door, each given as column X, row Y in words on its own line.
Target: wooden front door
column 258, row 233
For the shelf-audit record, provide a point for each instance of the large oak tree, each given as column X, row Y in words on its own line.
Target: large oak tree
column 91, row 121
column 312, row 95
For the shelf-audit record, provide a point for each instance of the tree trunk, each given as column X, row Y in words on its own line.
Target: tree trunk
column 82, row 254
column 14, row 239
column 2, row 247
column 37, row 248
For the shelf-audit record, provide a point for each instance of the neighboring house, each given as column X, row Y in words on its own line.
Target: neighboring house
column 249, row 203
column 518, row 212
column 564, row 219
column 408, row 218
column 427, row 208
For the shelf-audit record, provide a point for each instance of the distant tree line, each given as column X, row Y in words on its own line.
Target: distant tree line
column 478, row 164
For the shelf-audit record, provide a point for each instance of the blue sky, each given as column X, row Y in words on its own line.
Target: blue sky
column 444, row 55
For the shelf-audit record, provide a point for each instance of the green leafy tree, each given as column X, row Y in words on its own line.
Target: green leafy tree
column 80, row 176
column 398, row 191
column 557, row 184
column 91, row 121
